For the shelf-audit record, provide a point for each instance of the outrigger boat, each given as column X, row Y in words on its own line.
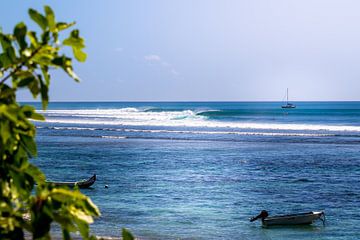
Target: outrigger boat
column 291, row 219
column 81, row 184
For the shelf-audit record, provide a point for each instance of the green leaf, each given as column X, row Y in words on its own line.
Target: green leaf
column 35, row 172
column 5, row 131
column 65, row 63
column 34, row 87
column 20, row 34
column 4, row 110
column 24, row 82
column 38, row 18
column 62, row 26
column 29, row 112
column 74, row 42
column 83, row 228
column 37, row 116
column 72, row 74
column 45, row 37
column 79, row 54
column 46, row 75
column 81, row 215
column 30, row 145
column 126, row 235
column 27, row 109
column 43, row 58
column 64, row 220
column 5, row 41
column 33, row 39
column 77, row 43
column 75, row 33
column 62, row 61
column 65, row 195
column 91, row 207
column 7, row 94
column 44, row 93
column 19, row 76
column 8, row 57
column 10, row 51
column 50, row 16
column 5, row 60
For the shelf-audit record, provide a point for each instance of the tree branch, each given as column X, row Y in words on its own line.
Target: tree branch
column 18, row 67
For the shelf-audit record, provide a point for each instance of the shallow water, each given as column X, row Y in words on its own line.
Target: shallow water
column 201, row 170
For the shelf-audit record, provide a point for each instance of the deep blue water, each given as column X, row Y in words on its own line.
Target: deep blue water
column 201, row 170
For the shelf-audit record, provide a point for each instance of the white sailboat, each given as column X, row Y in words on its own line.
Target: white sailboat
column 288, row 105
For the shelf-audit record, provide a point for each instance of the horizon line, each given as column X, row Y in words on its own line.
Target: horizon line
column 188, row 101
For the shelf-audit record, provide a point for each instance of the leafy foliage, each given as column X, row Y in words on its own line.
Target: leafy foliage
column 126, row 235
column 26, row 58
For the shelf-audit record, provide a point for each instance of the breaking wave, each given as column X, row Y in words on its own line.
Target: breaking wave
column 180, row 118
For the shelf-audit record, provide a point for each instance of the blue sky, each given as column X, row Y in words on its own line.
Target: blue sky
column 206, row 50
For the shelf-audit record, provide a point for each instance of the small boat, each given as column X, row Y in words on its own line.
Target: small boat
column 81, row 184
column 288, row 105
column 291, row 219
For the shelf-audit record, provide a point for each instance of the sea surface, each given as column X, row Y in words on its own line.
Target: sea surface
column 200, row 170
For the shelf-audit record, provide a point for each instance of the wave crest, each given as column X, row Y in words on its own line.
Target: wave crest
column 179, row 118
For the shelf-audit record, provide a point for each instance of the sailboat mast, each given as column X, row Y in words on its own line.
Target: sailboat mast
column 288, row 105
column 287, row 95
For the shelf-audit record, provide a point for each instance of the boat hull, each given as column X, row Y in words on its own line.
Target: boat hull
column 80, row 184
column 293, row 219
column 288, row 106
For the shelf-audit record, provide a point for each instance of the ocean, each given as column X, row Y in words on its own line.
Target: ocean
column 200, row 170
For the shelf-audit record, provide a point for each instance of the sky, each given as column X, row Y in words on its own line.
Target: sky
column 207, row 50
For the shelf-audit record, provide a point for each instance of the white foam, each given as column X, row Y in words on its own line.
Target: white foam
column 125, row 114
column 74, row 128
column 196, row 132
column 186, row 118
column 229, row 132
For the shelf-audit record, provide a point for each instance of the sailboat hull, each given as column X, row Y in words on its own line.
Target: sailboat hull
column 288, row 106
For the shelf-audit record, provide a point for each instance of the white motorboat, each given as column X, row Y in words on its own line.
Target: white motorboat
column 290, row 219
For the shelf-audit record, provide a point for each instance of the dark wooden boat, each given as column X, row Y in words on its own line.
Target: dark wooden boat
column 81, row 184
column 291, row 219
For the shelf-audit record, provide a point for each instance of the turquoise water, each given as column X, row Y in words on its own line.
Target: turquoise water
column 201, row 170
